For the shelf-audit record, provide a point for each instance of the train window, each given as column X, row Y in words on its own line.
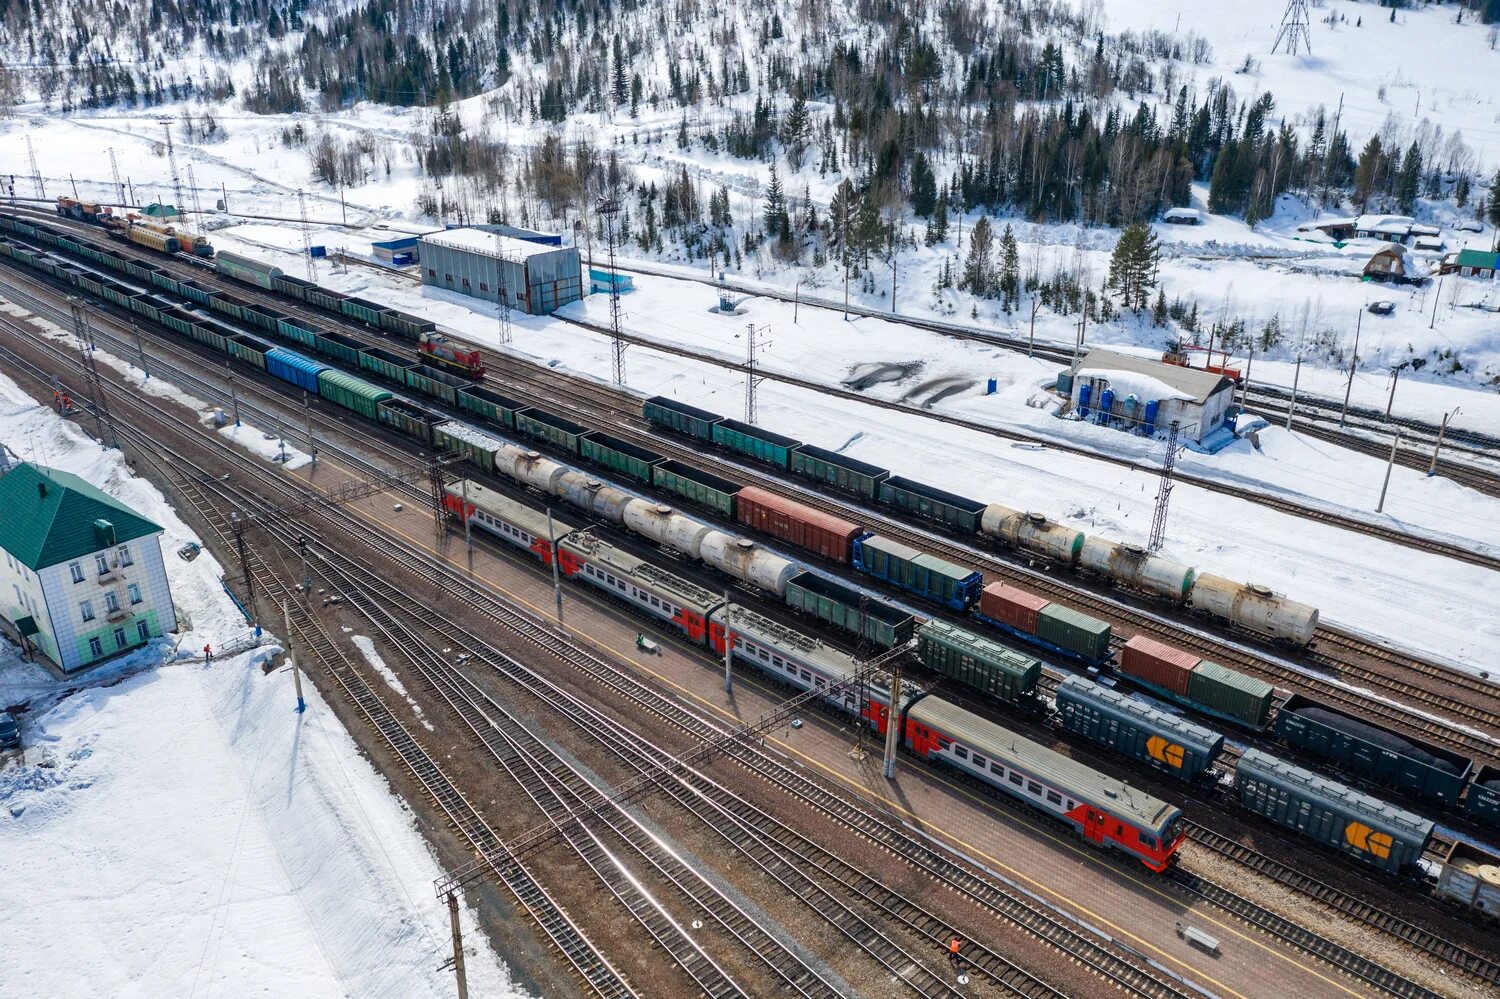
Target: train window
column 1054, row 797
column 806, row 677
column 979, row 761
column 1149, row 842
column 961, row 752
column 1033, row 787
column 1016, row 779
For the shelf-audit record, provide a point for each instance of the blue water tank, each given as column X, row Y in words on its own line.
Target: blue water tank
column 1149, row 424
column 1084, row 393
column 1106, row 404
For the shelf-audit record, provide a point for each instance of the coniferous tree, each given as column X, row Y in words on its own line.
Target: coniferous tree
column 773, row 215
column 841, row 218
column 980, row 266
column 795, row 131
column 937, row 226
column 1010, row 268
column 923, row 187
column 1370, row 174
column 1409, row 178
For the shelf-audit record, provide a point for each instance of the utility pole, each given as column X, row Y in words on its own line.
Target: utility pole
column 193, row 194
column 796, row 301
column 286, row 622
column 166, row 124
column 312, row 265
column 224, row 196
column 1353, row 363
column 140, row 349
column 728, row 649
column 843, row 248
column 458, row 947
column 1395, row 443
column 36, row 175
column 114, row 168
column 895, row 241
column 1164, row 492
column 752, row 380
column 1292, row 406
column 892, row 721
column 1435, row 299
column 237, row 525
column 1443, row 429
column 469, row 527
column 97, row 401
column 74, row 183
column 1031, row 343
column 234, row 398
column 556, row 578
column 609, row 208
column 1391, row 400
column 312, row 442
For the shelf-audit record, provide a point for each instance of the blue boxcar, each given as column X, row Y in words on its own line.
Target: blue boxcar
column 290, row 366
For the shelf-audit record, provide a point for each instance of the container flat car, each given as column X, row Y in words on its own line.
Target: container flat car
column 925, row 575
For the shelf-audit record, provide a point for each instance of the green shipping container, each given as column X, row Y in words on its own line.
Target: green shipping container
column 1074, row 631
column 621, row 456
column 351, row 393
column 1065, row 382
column 698, row 486
column 1235, row 694
column 977, row 662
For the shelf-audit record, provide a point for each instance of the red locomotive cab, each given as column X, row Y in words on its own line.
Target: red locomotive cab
column 715, row 635
column 692, row 625
column 455, row 506
column 542, row 548
column 568, row 563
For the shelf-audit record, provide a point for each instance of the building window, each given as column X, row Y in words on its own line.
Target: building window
column 484, row 286
column 86, row 609
column 135, row 593
column 111, row 603
column 77, row 571
column 432, row 272
column 466, row 282
column 143, row 630
column 125, row 558
column 102, row 563
column 96, row 647
column 119, row 638
column 448, row 277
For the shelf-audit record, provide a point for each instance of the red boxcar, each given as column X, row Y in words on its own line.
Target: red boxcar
column 797, row 524
column 1155, row 662
column 1012, row 605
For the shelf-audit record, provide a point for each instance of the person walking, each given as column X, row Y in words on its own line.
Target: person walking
column 956, row 958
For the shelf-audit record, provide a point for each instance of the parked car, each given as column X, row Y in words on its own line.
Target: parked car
column 1470, row 225
column 1382, row 307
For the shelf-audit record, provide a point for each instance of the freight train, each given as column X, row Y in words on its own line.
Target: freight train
column 997, row 674
column 938, row 731
column 1248, row 606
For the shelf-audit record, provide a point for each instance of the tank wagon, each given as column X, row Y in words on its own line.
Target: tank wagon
column 1254, row 608
column 1330, row 813
column 1136, row 729
column 1397, row 761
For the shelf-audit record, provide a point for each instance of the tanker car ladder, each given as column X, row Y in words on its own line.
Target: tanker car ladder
column 723, row 743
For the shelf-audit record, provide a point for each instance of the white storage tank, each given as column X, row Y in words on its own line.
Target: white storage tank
column 744, row 559
column 666, row 526
column 1254, row 608
column 1133, row 566
column 1032, row 532
column 538, row 472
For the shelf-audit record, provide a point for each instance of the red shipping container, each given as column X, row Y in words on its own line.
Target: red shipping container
column 1155, row 662
column 796, row 524
column 1012, row 605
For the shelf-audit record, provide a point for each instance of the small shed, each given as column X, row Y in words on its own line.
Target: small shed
column 161, row 212
column 1338, row 229
column 397, row 252
column 1146, row 395
column 1472, row 263
column 538, row 278
column 1390, row 263
column 1182, row 216
column 1387, row 228
column 607, row 282
column 1427, row 241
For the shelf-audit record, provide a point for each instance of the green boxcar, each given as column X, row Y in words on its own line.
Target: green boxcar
column 698, row 486
column 621, row 456
column 197, row 292
column 542, row 425
column 252, row 350
column 682, row 418
column 339, row 346
column 977, row 662
column 762, row 445
column 1073, row 630
column 1235, row 694
column 843, row 607
column 363, row 309
column 300, row 330
column 490, row 404
column 475, row 445
column 929, row 503
column 439, row 384
column 386, row 364
column 352, row 393
column 832, row 468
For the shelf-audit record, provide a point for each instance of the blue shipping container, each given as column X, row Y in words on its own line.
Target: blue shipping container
column 290, row 366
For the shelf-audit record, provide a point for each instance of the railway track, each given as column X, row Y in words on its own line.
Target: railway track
column 1269, row 921
column 203, row 272
column 1474, row 701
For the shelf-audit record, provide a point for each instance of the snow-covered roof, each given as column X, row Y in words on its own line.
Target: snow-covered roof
column 1182, row 213
column 488, row 243
column 1339, row 223
column 1397, row 224
column 1147, row 379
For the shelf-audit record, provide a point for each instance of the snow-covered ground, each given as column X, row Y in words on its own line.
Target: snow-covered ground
column 177, row 829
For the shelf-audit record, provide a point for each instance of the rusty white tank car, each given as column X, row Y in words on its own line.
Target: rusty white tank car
column 1254, row 608
column 1134, row 567
column 666, row 526
column 744, row 559
column 1032, row 532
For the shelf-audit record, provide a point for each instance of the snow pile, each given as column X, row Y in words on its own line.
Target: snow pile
column 265, row 445
column 185, row 832
column 1128, row 383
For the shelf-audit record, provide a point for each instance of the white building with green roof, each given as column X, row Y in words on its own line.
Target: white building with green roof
column 81, row 574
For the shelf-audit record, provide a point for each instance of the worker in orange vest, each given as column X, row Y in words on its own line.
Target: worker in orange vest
column 954, row 957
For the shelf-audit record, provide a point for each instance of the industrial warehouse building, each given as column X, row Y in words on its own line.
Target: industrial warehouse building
column 1144, row 395
column 538, row 278
column 81, row 575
